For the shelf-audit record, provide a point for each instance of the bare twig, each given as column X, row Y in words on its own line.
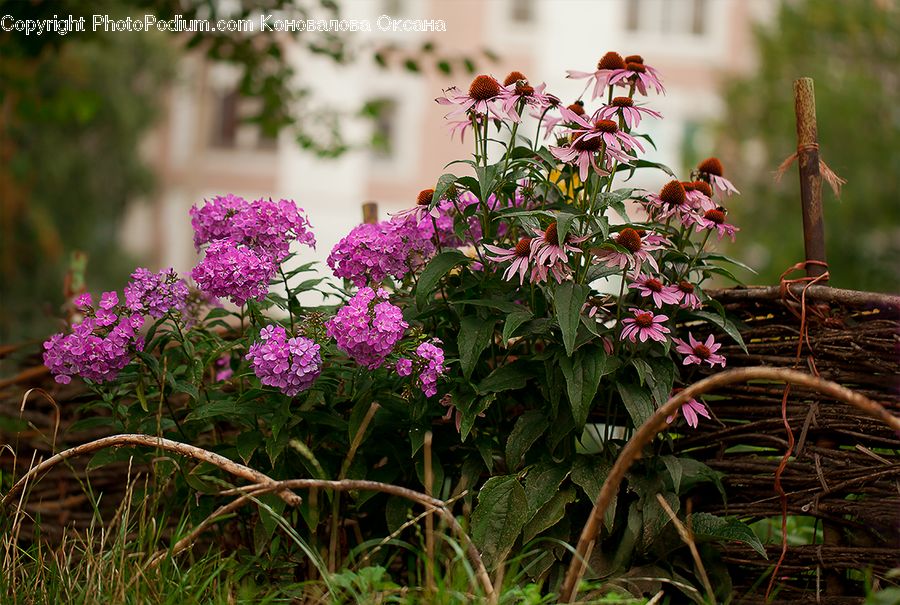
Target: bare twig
column 657, row 422
column 688, row 539
column 239, row 470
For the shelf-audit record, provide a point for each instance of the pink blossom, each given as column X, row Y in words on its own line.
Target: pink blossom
column 715, row 219
column 644, row 325
column 650, row 286
column 697, row 352
column 688, row 299
column 520, row 255
column 690, row 410
column 609, row 66
column 712, row 171
column 545, row 248
column 625, row 108
column 640, row 75
column 484, row 97
column 638, row 248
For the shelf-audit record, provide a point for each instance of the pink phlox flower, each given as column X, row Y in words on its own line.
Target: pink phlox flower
column 697, row 352
column 403, row 367
column 715, row 219
column 291, row 365
column 648, row 285
column 625, row 108
column 691, row 410
column 644, row 325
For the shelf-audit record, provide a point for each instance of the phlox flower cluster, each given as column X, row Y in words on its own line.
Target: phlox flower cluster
column 430, row 364
column 289, row 364
column 367, row 327
column 98, row 347
column 372, row 252
column 235, row 271
column 156, row 293
column 266, row 225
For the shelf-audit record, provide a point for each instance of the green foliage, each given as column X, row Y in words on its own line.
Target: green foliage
column 849, row 49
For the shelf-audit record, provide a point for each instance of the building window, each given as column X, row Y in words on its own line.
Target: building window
column 668, row 17
column 521, row 11
column 384, row 113
column 230, row 128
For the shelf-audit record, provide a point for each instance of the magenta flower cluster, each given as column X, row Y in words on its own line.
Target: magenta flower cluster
column 372, row 252
column 289, row 364
column 367, row 327
column 429, row 363
column 98, row 347
column 232, row 270
column 262, row 224
column 156, row 293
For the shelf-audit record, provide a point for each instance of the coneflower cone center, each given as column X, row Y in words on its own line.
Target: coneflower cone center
column 716, row 216
column 611, row 60
column 525, row 90
column 654, row 285
column 523, row 247
column 703, row 187
column 672, row 193
column 629, row 239
column 424, row 197
column 484, row 88
column 711, row 166
column 702, row 351
column 644, row 320
column 590, row 145
column 634, row 59
column 551, row 235
column 686, row 287
column 513, row 77
column 577, row 108
column 637, row 67
column 606, row 126
column 622, row 102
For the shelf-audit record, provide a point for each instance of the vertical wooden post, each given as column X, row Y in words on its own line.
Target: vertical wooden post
column 370, row 212
column 810, row 176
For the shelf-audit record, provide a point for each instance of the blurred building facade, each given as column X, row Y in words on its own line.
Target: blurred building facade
column 203, row 148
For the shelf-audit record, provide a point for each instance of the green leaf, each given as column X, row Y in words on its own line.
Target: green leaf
column 474, row 337
column 563, row 223
column 470, row 413
column 513, row 321
column 568, row 300
column 589, row 473
column 444, row 182
column 726, row 324
column 498, row 518
column 505, row 378
column 541, row 482
column 583, row 372
column 637, row 401
column 706, row 525
column 529, row 426
column 661, row 378
column 549, row 515
column 435, row 270
column 247, row 442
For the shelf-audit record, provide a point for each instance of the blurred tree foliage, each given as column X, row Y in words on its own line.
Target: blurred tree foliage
column 74, row 108
column 852, row 50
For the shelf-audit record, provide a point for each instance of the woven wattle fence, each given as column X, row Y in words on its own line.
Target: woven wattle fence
column 845, row 469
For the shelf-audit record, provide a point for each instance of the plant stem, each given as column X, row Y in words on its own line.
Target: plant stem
column 287, row 292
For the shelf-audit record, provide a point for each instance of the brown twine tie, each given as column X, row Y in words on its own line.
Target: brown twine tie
column 827, row 173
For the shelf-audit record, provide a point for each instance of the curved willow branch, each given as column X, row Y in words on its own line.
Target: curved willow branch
column 238, row 470
column 657, row 422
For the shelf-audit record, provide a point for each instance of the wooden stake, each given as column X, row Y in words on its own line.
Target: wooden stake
column 810, row 176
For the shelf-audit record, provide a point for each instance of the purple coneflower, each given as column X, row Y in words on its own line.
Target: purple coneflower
column 606, row 130
column 712, row 171
column 420, row 210
column 484, row 97
column 610, row 65
column 520, row 255
column 699, row 194
column 552, row 121
column 638, row 250
column 690, row 410
column 647, row 285
column 698, row 352
column 545, row 246
column 644, row 325
column 516, row 88
column 672, row 200
column 687, row 297
column 639, row 74
column 625, row 108
column 715, row 219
